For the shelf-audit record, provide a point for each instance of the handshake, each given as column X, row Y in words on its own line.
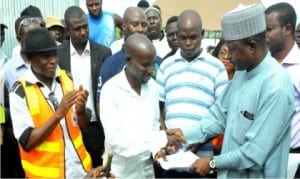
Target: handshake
column 201, row 166
column 175, row 139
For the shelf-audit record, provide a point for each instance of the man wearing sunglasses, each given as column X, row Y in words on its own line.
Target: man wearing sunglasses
column 36, row 15
column 48, row 114
column 18, row 64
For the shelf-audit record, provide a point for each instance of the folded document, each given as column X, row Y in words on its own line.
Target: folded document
column 180, row 160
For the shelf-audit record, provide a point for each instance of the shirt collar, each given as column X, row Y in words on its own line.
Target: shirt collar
column 293, row 56
column 260, row 66
column 124, row 85
column 178, row 56
column 19, row 63
column 86, row 49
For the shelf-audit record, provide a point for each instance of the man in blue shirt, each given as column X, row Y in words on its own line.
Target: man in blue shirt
column 135, row 21
column 190, row 81
column 255, row 110
column 102, row 23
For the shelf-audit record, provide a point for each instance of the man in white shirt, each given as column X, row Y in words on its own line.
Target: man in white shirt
column 130, row 112
column 155, row 33
column 281, row 22
column 83, row 59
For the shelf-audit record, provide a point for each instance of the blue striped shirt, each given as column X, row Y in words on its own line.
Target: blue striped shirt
column 188, row 89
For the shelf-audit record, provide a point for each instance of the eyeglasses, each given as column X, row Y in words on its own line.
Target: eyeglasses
column 28, row 21
column 224, row 54
column 53, row 100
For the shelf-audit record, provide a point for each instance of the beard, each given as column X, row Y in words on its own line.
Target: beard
column 152, row 35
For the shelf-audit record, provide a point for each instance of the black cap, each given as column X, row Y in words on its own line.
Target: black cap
column 38, row 40
column 32, row 11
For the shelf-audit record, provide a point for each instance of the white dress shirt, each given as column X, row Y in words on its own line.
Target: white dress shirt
column 292, row 64
column 14, row 68
column 81, row 73
column 131, row 126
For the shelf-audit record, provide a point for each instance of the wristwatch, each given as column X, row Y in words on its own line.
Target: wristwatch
column 212, row 164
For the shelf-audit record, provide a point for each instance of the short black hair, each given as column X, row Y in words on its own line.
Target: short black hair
column 71, row 12
column 218, row 48
column 32, row 11
column 143, row 4
column 171, row 20
column 286, row 14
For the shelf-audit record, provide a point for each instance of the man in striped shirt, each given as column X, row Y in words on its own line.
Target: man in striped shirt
column 190, row 81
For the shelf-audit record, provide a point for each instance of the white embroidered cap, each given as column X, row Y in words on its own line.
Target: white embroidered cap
column 243, row 22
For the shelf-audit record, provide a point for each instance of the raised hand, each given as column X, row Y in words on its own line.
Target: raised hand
column 81, row 98
column 66, row 103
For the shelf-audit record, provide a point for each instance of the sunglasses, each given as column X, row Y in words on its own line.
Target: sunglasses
column 53, row 100
column 28, row 21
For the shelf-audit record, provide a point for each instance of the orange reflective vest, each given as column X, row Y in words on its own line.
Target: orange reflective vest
column 48, row 159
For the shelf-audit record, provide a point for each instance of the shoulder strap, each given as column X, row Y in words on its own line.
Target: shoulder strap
column 66, row 81
column 31, row 97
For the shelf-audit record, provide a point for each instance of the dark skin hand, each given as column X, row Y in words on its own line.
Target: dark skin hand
column 201, row 166
column 194, row 147
column 160, row 154
column 82, row 116
column 176, row 132
column 162, row 115
column 99, row 172
column 77, row 98
column 174, row 142
column 175, row 139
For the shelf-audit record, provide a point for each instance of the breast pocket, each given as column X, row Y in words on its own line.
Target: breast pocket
column 241, row 126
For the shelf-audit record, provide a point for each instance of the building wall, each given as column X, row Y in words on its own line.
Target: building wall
column 10, row 10
column 210, row 11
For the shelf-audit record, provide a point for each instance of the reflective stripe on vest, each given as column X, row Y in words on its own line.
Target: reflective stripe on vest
column 2, row 114
column 47, row 159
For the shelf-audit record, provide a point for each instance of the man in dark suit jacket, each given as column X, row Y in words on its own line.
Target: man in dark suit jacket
column 83, row 59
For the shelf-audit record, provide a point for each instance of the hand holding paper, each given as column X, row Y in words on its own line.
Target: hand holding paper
column 181, row 159
column 201, row 166
column 175, row 139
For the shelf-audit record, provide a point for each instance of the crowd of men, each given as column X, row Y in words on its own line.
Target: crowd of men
column 78, row 99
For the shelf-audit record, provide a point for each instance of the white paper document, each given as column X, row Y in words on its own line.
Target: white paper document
column 181, row 159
